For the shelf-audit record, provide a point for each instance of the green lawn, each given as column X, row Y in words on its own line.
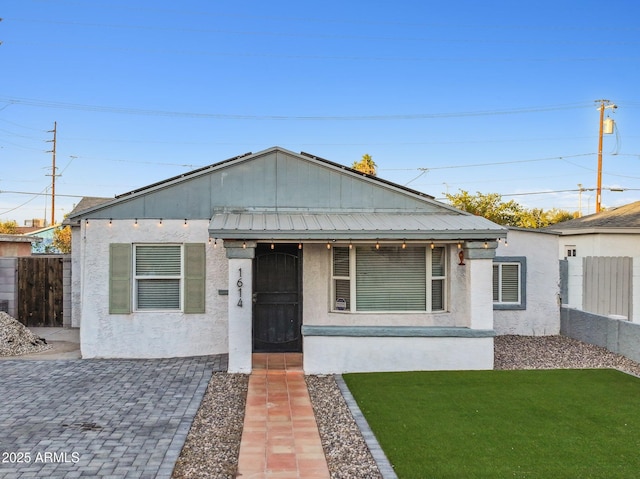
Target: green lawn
column 504, row 424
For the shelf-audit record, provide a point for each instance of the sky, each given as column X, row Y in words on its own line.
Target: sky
column 481, row 96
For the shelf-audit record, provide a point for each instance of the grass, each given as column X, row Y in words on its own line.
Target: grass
column 504, row 424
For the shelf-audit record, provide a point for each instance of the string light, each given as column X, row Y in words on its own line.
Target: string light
column 459, row 244
column 110, row 221
column 136, row 223
column 185, row 222
column 404, row 244
column 272, row 245
column 299, row 244
column 350, row 245
column 432, row 245
column 160, row 222
column 328, row 245
column 377, row 245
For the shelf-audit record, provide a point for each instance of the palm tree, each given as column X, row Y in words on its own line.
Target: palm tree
column 365, row 165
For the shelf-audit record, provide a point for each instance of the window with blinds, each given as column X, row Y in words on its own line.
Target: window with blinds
column 341, row 279
column 158, row 276
column 506, row 283
column 389, row 278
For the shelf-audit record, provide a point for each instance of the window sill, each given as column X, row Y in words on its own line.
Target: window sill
column 508, row 307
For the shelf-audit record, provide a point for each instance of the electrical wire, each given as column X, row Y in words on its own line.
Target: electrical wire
column 149, row 112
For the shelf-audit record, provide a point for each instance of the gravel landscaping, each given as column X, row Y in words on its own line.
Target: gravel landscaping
column 211, row 449
column 213, row 443
column 16, row 339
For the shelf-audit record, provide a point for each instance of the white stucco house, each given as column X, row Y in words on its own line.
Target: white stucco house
column 602, row 253
column 526, row 284
column 280, row 251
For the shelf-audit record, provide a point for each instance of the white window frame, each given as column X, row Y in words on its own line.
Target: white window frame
column 430, row 278
column 520, row 262
column 137, row 278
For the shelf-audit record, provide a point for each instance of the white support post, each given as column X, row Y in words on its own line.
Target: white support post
column 240, row 256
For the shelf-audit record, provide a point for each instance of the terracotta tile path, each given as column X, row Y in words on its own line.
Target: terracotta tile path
column 280, row 439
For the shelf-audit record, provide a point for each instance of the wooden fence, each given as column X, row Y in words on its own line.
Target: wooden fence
column 40, row 290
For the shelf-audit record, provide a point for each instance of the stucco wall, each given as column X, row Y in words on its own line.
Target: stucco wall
column 317, row 292
column 145, row 334
column 11, row 249
column 602, row 244
column 338, row 355
column 542, row 313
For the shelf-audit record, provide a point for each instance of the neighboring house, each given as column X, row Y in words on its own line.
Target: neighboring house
column 526, row 284
column 279, row 251
column 45, row 245
column 603, row 262
column 16, row 245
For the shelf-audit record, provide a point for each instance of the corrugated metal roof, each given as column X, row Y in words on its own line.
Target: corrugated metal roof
column 297, row 226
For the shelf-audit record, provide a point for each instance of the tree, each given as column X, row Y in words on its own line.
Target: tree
column 365, row 165
column 62, row 239
column 8, row 227
column 488, row 205
column 507, row 213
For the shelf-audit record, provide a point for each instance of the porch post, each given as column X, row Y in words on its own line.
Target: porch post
column 240, row 255
column 478, row 256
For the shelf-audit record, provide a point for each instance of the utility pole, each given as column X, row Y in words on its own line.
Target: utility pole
column 604, row 104
column 53, row 173
column 580, row 200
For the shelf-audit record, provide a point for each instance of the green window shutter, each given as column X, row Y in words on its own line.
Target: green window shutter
column 120, row 278
column 194, row 278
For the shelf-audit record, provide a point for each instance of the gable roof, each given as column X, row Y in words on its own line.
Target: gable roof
column 624, row 219
column 276, row 193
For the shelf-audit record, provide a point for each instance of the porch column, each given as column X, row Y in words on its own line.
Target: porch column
column 478, row 257
column 240, row 255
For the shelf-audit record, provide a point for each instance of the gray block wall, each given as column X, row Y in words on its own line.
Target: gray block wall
column 8, row 285
column 616, row 335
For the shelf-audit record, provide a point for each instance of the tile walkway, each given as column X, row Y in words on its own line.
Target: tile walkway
column 280, row 439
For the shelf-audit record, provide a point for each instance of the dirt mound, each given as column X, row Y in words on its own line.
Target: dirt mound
column 16, row 339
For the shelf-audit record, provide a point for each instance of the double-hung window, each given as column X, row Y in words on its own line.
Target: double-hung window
column 388, row 278
column 158, row 277
column 509, row 283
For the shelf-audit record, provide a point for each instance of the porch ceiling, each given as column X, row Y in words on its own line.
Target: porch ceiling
column 352, row 226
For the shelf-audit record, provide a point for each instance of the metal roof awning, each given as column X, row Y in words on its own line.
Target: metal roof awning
column 352, row 226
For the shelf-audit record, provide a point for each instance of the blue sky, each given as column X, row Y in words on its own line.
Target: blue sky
column 491, row 96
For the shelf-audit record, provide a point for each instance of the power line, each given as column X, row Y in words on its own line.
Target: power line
column 223, row 116
column 42, row 193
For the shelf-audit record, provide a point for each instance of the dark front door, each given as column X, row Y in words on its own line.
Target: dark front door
column 277, row 307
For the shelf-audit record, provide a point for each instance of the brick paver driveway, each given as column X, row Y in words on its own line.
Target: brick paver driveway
column 111, row 418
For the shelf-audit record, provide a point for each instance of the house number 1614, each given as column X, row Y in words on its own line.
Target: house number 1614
column 239, row 285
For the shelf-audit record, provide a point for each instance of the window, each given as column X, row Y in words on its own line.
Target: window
column 158, row 276
column 388, row 278
column 509, row 283
column 152, row 277
column 571, row 250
